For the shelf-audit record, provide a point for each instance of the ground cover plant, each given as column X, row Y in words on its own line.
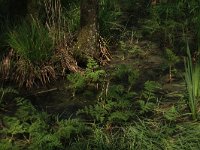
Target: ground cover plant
column 126, row 79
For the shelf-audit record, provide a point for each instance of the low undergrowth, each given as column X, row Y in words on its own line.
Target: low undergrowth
column 121, row 118
column 127, row 112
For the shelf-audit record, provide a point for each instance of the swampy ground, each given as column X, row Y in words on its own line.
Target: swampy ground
column 140, row 93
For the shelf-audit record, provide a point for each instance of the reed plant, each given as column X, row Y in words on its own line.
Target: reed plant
column 192, row 80
column 31, row 41
column 32, row 50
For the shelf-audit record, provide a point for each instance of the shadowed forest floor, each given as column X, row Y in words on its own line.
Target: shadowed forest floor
column 145, row 56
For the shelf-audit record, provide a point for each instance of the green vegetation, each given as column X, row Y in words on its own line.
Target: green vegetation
column 91, row 77
column 118, row 120
column 31, row 41
column 193, row 84
column 172, row 59
column 139, row 90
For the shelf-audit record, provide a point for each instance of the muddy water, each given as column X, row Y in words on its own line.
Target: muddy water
column 59, row 100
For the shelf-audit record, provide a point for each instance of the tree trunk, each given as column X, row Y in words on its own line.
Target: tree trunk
column 87, row 44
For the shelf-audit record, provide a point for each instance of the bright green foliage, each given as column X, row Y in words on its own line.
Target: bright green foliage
column 148, row 135
column 119, row 116
column 171, row 114
column 13, row 126
column 77, row 81
column 69, row 128
column 192, row 80
column 31, row 41
column 115, row 107
column 118, row 104
column 171, row 57
column 126, row 73
column 6, row 144
column 30, row 129
column 148, row 98
column 92, row 75
column 150, row 88
column 145, row 107
column 100, row 139
column 45, row 141
column 109, row 112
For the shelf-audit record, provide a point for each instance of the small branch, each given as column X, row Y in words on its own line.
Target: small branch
column 46, row 91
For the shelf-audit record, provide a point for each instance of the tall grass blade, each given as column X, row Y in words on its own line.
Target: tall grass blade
column 192, row 80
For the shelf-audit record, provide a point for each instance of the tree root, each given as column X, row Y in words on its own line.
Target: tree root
column 67, row 61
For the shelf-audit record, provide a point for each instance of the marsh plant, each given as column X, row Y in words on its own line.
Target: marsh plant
column 192, row 79
column 31, row 41
column 32, row 50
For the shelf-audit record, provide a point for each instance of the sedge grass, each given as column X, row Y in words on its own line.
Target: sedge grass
column 192, row 80
column 31, row 41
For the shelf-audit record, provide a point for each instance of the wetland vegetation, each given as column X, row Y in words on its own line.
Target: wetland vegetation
column 100, row 74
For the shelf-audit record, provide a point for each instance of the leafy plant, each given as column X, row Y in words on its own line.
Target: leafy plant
column 69, row 128
column 148, row 98
column 171, row 114
column 77, row 81
column 92, row 75
column 172, row 59
column 192, row 80
column 29, row 128
column 113, row 108
column 145, row 107
column 126, row 73
column 6, row 144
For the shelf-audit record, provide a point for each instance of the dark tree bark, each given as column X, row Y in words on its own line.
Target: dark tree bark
column 88, row 36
